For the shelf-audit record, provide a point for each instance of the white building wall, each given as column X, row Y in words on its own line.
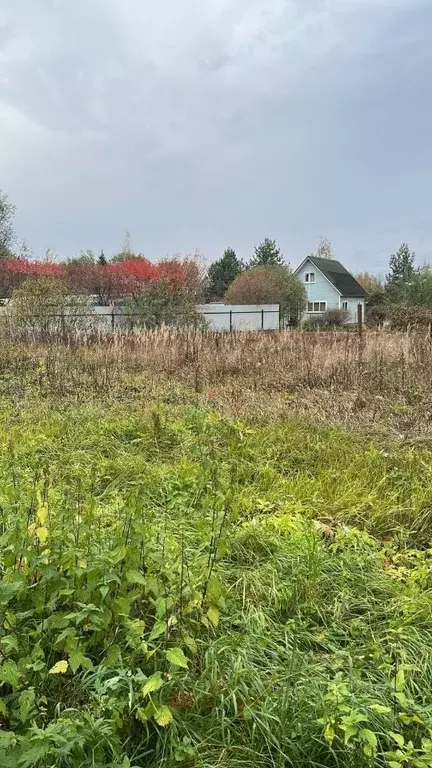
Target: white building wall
column 318, row 291
column 352, row 308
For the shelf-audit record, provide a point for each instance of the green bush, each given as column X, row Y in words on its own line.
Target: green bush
column 272, row 284
column 160, row 304
column 45, row 306
column 398, row 317
column 335, row 318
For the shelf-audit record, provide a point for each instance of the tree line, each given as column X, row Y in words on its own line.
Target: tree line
column 173, row 287
column 158, row 292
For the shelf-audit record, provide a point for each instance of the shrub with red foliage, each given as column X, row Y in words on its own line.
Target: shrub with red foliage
column 14, row 272
column 132, row 274
column 183, row 275
column 108, row 282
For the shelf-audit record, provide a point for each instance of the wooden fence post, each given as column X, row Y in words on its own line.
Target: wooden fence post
column 360, row 320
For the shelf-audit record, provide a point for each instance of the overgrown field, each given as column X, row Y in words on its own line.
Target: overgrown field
column 381, row 379
column 182, row 586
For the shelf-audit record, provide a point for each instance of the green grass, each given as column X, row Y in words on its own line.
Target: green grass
column 171, row 559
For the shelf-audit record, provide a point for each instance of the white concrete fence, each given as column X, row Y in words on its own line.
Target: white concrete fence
column 219, row 317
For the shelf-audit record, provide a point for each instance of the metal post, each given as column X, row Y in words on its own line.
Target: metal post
column 262, row 319
column 112, row 320
column 231, row 323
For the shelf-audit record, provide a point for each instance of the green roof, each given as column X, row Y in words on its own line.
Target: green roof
column 339, row 277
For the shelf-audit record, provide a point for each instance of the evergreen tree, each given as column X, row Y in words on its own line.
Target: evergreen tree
column 267, row 254
column 222, row 273
column 102, row 259
column 401, row 266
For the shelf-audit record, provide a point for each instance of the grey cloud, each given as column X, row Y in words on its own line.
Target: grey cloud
column 202, row 125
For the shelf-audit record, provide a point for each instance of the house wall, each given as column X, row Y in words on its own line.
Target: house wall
column 352, row 308
column 320, row 290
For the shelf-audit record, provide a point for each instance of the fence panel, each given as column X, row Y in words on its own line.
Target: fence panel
column 102, row 319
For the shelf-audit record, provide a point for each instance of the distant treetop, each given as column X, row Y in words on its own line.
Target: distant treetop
column 266, row 254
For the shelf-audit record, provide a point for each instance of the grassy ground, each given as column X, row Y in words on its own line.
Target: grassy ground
column 214, row 566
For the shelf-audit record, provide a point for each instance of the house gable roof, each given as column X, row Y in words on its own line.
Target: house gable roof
column 342, row 280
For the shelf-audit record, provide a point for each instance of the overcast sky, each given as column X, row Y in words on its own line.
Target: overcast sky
column 199, row 124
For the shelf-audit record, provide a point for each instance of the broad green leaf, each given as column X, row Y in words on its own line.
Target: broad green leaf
column 26, row 703
column 136, row 627
column 112, row 656
column 77, row 660
column 42, row 514
column 59, row 669
column 8, row 591
column 163, row 716
column 42, row 534
column 154, row 683
column 176, row 657
column 400, row 680
column 9, row 673
column 214, row 590
column 163, row 605
column 117, row 555
column 350, row 731
column 9, row 643
column 213, row 614
column 159, row 629
column 398, row 738
column 190, row 643
column 68, row 634
column 135, row 577
column 367, row 735
column 146, row 713
column 329, row 734
column 121, row 606
column 381, row 709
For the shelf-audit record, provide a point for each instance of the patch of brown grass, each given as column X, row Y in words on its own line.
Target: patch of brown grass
column 382, row 378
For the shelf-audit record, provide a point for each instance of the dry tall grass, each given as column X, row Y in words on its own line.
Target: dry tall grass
column 287, row 361
column 380, row 364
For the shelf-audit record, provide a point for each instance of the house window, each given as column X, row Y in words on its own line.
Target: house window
column 345, row 305
column 317, row 306
column 310, row 277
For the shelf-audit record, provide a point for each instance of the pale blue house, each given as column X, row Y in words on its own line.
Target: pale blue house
column 330, row 286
